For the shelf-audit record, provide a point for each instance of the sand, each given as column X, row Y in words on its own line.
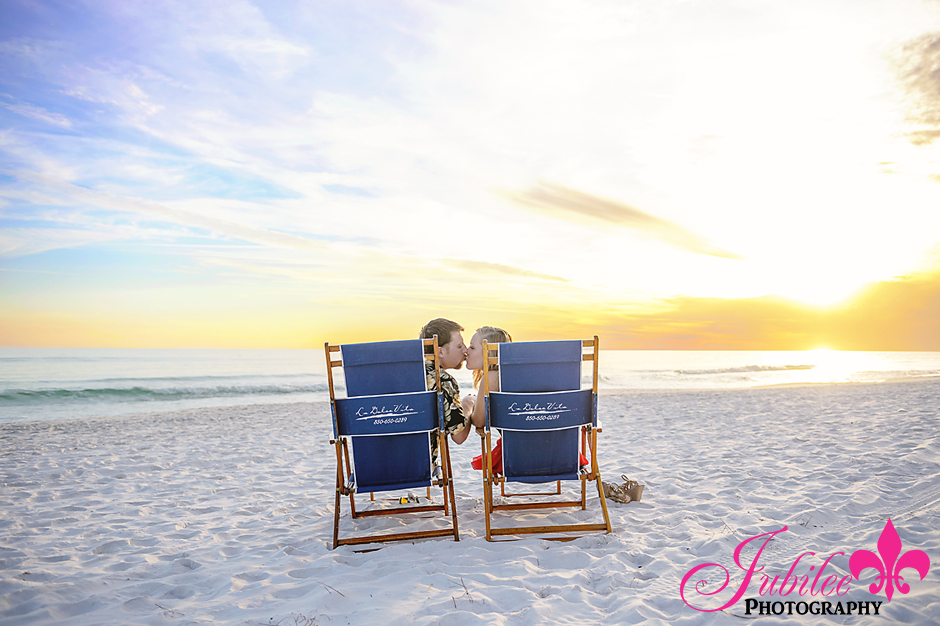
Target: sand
column 225, row 516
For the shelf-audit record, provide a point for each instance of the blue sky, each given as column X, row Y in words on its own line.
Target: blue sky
column 279, row 173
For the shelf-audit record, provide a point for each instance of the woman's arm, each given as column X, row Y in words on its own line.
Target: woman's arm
column 478, row 410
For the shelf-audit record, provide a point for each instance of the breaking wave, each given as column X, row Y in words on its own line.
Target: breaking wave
column 745, row 369
column 144, row 394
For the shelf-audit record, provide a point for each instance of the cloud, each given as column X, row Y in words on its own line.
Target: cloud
column 892, row 315
column 923, row 137
column 351, row 150
column 16, row 242
column 272, row 56
column 114, row 202
column 568, row 204
column 38, row 113
column 918, row 67
column 497, row 269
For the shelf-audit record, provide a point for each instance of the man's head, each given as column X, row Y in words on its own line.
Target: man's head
column 451, row 350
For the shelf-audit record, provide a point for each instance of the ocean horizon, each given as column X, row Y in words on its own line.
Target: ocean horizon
column 39, row 384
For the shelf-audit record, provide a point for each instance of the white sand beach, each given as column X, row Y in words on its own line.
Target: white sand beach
column 224, row 516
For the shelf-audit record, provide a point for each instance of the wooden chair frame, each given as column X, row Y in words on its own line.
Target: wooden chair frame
column 344, row 470
column 589, row 434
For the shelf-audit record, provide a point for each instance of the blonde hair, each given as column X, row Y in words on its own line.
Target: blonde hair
column 491, row 334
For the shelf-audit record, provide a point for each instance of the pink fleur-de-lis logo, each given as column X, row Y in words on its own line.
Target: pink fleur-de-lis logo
column 889, row 565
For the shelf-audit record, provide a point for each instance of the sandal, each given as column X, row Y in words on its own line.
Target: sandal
column 629, row 491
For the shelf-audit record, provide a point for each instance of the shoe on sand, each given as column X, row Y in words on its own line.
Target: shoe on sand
column 629, row 491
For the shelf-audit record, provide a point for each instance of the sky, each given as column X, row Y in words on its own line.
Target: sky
column 679, row 174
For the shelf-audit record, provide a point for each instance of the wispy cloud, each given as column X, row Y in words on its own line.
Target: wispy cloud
column 917, row 64
column 16, row 242
column 37, row 113
column 103, row 200
column 570, row 204
column 500, row 270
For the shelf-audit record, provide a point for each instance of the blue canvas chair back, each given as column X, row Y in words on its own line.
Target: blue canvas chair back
column 388, row 414
column 385, row 367
column 540, row 409
column 536, row 366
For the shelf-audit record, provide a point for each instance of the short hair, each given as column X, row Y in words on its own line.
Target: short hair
column 443, row 328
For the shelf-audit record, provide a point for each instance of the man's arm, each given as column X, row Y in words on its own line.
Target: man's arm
column 461, row 435
column 455, row 423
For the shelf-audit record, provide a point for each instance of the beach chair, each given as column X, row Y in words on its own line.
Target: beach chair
column 545, row 419
column 383, row 430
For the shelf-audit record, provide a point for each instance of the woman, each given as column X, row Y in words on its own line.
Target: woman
column 470, row 406
column 469, row 403
column 475, row 409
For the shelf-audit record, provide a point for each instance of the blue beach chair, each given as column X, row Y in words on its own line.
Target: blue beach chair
column 547, row 421
column 383, row 431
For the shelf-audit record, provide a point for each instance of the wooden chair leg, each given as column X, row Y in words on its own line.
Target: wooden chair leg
column 449, row 491
column 336, row 518
column 446, row 477
column 346, row 458
column 595, row 468
column 584, row 479
column 340, row 479
column 487, row 484
column 603, row 499
column 345, row 455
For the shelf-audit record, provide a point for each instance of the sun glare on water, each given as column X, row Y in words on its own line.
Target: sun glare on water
column 836, row 366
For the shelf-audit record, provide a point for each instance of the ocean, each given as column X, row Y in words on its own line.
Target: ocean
column 39, row 384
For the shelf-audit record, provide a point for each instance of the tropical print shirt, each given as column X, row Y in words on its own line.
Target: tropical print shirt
column 453, row 414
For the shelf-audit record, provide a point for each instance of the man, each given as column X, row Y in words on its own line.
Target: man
column 451, row 353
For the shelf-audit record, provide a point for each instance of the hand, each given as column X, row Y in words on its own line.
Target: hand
column 467, row 403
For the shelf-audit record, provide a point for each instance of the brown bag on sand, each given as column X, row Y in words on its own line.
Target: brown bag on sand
column 629, row 491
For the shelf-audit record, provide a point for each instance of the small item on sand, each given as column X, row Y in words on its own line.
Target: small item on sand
column 629, row 491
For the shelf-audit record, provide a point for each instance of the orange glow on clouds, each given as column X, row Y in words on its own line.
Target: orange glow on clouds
column 900, row 315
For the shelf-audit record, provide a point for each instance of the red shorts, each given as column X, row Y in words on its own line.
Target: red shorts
column 477, row 462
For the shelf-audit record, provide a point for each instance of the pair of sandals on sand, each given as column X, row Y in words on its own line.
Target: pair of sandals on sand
column 629, row 491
